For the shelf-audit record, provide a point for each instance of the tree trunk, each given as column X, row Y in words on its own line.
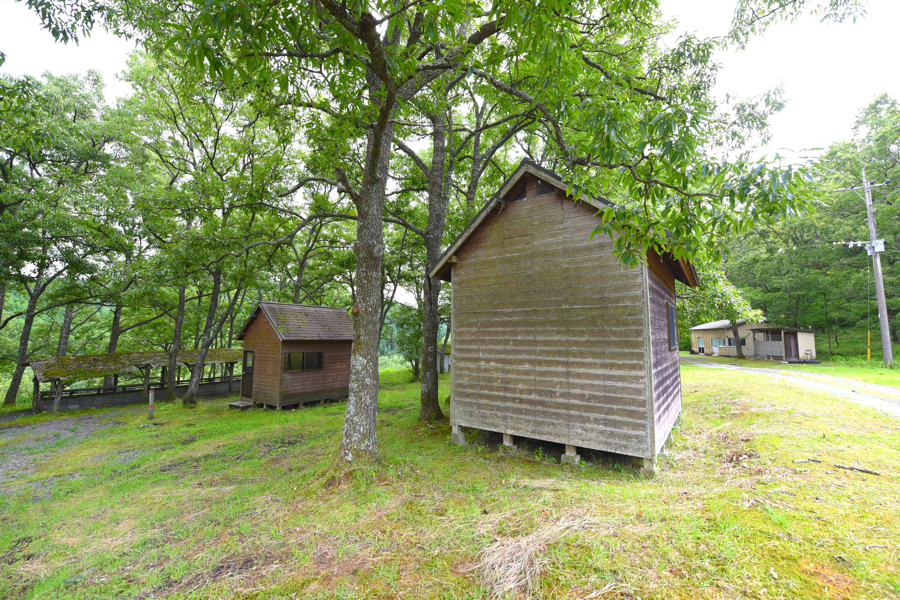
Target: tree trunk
column 737, row 339
column 298, row 282
column 57, row 395
column 430, row 408
column 176, row 346
column 2, row 299
column 114, row 332
column 22, row 354
column 827, row 330
column 199, row 315
column 360, row 442
column 65, row 330
column 442, row 359
column 190, row 396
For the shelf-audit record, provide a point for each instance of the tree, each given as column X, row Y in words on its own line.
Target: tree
column 60, row 148
column 407, row 335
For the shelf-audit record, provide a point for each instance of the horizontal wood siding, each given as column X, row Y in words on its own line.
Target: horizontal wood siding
column 548, row 331
column 262, row 339
column 331, row 382
column 666, row 370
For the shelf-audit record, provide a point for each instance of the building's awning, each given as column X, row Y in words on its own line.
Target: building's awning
column 775, row 328
column 69, row 369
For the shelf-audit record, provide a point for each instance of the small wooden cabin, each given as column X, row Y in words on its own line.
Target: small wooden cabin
column 295, row 354
column 553, row 338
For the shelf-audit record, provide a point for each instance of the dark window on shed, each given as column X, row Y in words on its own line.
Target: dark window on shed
column 544, row 188
column 673, row 327
column 294, row 362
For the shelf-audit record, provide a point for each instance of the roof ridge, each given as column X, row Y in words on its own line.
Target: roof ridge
column 307, row 305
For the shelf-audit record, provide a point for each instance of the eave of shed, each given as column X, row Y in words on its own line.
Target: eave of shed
column 683, row 270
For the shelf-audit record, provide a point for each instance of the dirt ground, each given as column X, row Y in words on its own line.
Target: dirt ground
column 23, row 446
column 882, row 397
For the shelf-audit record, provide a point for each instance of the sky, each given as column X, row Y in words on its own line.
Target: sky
column 829, row 71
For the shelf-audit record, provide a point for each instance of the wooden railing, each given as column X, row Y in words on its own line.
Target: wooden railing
column 132, row 387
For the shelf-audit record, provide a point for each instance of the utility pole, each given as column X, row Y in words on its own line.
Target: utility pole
column 887, row 351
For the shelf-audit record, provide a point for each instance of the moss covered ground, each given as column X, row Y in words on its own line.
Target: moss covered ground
column 213, row 503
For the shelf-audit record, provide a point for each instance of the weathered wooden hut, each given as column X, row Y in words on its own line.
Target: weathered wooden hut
column 553, row 338
column 295, row 354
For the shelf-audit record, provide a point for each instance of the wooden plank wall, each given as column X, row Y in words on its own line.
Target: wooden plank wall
column 261, row 338
column 548, row 335
column 332, row 381
column 666, row 367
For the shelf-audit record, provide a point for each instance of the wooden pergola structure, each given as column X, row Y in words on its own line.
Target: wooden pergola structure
column 61, row 372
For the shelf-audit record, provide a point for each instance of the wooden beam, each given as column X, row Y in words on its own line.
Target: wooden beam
column 146, row 396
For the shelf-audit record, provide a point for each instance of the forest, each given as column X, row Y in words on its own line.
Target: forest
column 327, row 155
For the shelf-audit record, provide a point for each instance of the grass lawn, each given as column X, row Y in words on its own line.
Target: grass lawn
column 860, row 370
column 213, row 503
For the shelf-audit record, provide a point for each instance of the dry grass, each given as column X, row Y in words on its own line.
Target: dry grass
column 514, row 565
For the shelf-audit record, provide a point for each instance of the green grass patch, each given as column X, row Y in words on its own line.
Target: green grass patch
column 214, row 503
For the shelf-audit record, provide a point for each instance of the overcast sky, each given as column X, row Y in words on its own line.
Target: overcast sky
column 829, row 71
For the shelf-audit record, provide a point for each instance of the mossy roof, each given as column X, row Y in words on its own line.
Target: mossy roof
column 70, row 369
column 301, row 322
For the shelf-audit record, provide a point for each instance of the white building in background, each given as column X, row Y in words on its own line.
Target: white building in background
column 757, row 340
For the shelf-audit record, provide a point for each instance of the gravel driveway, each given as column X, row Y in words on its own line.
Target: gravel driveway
column 882, row 397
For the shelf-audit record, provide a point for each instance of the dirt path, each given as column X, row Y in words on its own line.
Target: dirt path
column 882, row 397
column 23, row 446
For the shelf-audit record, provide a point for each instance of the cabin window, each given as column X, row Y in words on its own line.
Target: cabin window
column 295, row 362
column 673, row 327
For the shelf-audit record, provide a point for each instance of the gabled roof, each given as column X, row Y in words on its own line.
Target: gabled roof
column 300, row 322
column 69, row 369
column 681, row 269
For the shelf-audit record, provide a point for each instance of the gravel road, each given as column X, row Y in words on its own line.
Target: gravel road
column 882, row 397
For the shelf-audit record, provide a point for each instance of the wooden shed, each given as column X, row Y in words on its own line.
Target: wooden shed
column 553, row 338
column 295, row 354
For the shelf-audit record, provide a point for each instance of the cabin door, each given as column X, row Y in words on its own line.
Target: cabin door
column 791, row 348
column 247, row 374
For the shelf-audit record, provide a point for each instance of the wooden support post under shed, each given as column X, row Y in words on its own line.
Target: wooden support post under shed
column 457, row 437
column 571, row 456
column 146, row 396
column 508, row 441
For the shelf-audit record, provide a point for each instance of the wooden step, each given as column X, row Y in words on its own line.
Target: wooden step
column 240, row 404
